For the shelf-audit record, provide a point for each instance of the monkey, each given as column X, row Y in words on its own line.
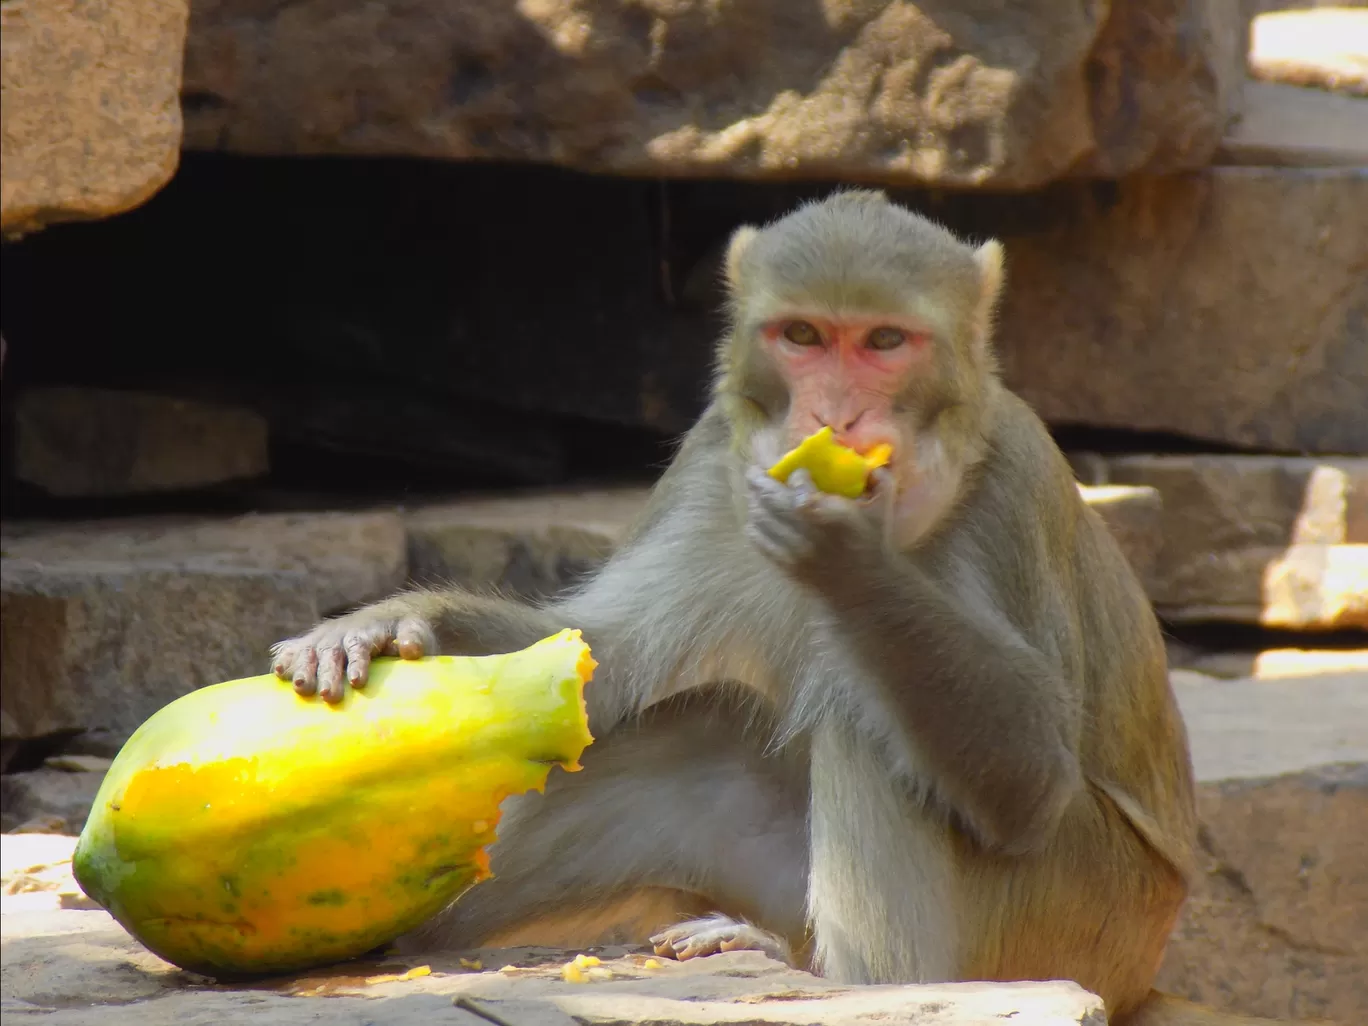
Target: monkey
column 923, row 735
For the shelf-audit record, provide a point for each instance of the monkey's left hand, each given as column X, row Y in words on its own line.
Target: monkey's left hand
column 817, row 538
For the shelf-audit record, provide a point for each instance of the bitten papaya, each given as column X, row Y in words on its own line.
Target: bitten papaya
column 244, row 830
column 835, row 468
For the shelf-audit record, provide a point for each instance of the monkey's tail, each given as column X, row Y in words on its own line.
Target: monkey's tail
column 1160, row 1009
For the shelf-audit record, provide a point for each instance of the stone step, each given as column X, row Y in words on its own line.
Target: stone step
column 1269, row 663
column 1271, row 540
column 107, row 621
column 1286, row 126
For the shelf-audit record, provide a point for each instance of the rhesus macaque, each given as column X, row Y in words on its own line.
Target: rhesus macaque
column 940, row 741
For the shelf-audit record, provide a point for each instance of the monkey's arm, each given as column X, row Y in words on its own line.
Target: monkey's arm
column 992, row 719
column 981, row 706
column 680, row 604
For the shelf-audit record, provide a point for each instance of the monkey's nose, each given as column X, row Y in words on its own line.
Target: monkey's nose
column 839, row 422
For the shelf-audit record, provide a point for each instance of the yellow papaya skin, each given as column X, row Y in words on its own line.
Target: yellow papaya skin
column 244, row 830
column 835, row 469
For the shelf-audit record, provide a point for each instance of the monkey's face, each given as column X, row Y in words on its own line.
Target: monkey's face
column 846, row 373
column 858, row 315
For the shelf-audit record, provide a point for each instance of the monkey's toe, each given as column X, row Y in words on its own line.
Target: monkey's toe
column 712, row 936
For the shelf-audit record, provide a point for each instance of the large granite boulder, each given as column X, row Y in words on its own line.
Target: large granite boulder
column 944, row 92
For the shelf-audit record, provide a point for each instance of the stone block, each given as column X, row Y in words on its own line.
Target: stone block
column 1229, row 306
column 936, row 92
column 90, row 107
column 100, row 646
column 1277, row 541
column 76, row 442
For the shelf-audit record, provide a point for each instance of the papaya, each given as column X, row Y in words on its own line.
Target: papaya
column 835, row 468
column 244, row 830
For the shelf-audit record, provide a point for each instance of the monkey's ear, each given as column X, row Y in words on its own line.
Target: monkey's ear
column 989, row 257
column 736, row 250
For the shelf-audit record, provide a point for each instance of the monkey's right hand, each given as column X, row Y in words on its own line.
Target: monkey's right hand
column 341, row 650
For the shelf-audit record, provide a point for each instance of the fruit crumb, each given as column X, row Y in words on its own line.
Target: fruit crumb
column 471, row 963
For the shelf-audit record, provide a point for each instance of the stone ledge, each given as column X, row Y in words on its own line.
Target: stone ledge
column 73, row 959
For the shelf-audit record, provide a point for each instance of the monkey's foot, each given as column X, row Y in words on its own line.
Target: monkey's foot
column 699, row 937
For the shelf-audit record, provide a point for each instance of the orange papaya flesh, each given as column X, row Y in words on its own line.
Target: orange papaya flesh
column 245, row 830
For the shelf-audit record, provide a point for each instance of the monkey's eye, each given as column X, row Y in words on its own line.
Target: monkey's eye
column 885, row 338
column 801, row 333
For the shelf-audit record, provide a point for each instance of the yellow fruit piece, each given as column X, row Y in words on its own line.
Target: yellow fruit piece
column 412, row 974
column 572, row 973
column 835, row 469
column 243, row 829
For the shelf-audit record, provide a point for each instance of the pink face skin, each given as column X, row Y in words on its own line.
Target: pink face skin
column 845, row 373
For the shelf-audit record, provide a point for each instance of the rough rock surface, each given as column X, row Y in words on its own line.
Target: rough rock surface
column 1279, row 541
column 100, row 646
column 1275, row 925
column 1230, row 305
column 89, row 104
column 74, row 442
column 938, row 92
column 1325, row 48
column 61, row 968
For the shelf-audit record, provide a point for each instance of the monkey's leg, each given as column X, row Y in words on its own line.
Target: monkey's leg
column 680, row 803
column 882, row 890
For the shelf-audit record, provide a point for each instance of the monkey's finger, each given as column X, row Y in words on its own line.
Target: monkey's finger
column 358, row 660
column 305, row 672
column 413, row 638
column 760, row 483
column 332, row 665
column 783, row 547
column 800, row 482
column 283, row 660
